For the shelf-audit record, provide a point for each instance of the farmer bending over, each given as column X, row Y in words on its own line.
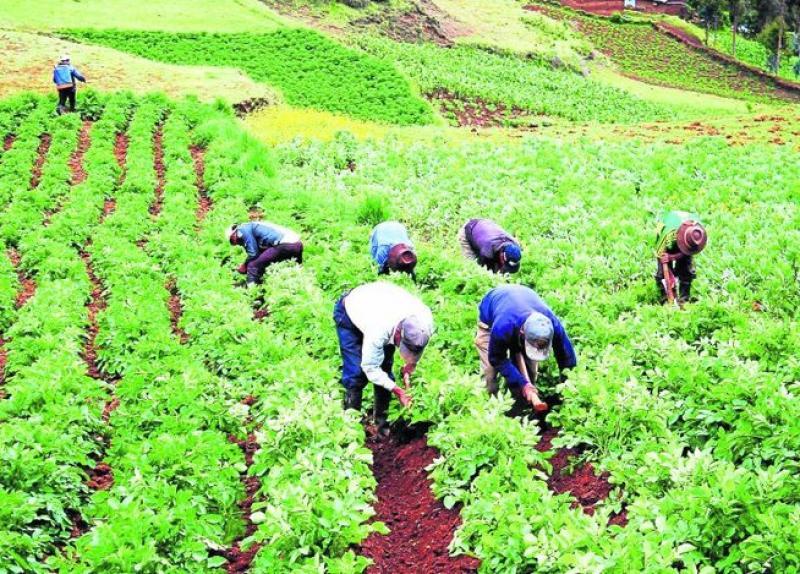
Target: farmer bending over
column 64, row 76
column 265, row 244
column 679, row 238
column 490, row 245
column 371, row 320
column 516, row 331
column 391, row 249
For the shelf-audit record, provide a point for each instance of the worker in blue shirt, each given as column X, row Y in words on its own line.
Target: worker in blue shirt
column 391, row 248
column 517, row 331
column 264, row 243
column 64, row 76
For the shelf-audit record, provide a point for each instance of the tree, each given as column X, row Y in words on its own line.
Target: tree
column 737, row 9
column 710, row 13
column 773, row 38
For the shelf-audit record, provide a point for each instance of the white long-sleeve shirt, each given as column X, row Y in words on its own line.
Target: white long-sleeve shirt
column 376, row 309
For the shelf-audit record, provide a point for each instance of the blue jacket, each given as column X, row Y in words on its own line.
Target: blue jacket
column 258, row 236
column 64, row 74
column 504, row 309
column 385, row 236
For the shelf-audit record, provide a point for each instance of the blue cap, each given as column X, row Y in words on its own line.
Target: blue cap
column 513, row 254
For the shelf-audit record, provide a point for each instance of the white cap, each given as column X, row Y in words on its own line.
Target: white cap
column 64, row 58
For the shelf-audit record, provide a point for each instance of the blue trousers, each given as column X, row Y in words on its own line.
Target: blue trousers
column 350, row 342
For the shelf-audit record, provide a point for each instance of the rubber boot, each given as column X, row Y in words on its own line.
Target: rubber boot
column 684, row 292
column 382, row 399
column 352, row 398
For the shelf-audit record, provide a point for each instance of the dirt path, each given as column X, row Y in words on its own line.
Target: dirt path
column 158, row 166
column 582, row 483
column 204, row 203
column 76, row 159
column 41, row 157
column 421, row 527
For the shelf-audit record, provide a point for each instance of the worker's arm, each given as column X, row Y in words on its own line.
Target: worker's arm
column 77, row 75
column 55, row 79
column 372, row 357
column 500, row 355
column 250, row 243
column 562, row 346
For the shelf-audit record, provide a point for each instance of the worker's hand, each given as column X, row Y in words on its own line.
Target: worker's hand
column 406, row 371
column 402, row 396
column 242, row 269
column 532, row 396
column 665, row 258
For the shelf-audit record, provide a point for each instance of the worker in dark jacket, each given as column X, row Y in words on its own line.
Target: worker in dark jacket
column 265, row 243
column 64, row 76
column 490, row 245
column 680, row 236
column 517, row 331
column 391, row 248
column 371, row 321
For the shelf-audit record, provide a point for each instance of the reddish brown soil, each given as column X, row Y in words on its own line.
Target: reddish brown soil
column 239, row 560
column 158, row 166
column 473, row 112
column 684, row 36
column 8, row 141
column 41, row 156
column 121, row 152
column 96, row 304
column 101, row 477
column 421, row 527
column 204, row 203
column 175, row 310
column 76, row 159
column 259, row 314
column 79, row 526
column 582, row 483
column 27, row 286
column 3, row 361
column 110, row 407
column 109, row 205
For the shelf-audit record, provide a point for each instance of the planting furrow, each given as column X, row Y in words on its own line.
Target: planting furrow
column 204, row 203
column 175, row 310
column 76, row 169
column 420, row 527
column 27, row 286
column 8, row 141
column 586, row 487
column 41, row 156
column 158, row 166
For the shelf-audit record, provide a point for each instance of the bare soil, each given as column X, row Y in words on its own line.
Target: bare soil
column 76, row 159
column 422, row 21
column 158, row 166
column 8, row 141
column 250, row 105
column 582, row 483
column 239, row 560
column 121, row 152
column 3, row 361
column 421, row 527
column 27, row 286
column 175, row 310
column 204, row 203
column 473, row 112
column 101, row 477
column 41, row 157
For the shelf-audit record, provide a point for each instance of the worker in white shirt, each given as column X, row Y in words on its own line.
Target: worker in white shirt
column 371, row 320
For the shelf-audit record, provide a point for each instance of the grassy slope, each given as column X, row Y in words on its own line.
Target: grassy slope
column 172, row 15
column 28, row 59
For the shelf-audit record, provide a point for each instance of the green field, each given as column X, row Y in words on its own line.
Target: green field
column 159, row 416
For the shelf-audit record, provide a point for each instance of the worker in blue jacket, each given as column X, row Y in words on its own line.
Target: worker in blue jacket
column 265, row 243
column 391, row 248
column 517, row 331
column 64, row 76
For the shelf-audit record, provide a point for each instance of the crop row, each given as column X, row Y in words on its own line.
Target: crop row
column 309, row 69
column 693, row 412
column 515, row 82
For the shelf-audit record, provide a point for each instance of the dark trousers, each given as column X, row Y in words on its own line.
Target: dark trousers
column 350, row 342
column 67, row 94
column 280, row 252
column 682, row 269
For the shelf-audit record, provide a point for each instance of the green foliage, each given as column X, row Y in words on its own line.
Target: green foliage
column 309, row 69
column 515, row 82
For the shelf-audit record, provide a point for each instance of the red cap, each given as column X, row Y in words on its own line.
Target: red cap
column 692, row 238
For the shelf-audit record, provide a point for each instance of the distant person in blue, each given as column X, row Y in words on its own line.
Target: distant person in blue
column 64, row 76
column 484, row 241
column 265, row 243
column 391, row 248
column 517, row 331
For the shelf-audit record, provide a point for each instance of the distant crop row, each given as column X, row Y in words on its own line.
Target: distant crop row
column 308, row 68
column 515, row 82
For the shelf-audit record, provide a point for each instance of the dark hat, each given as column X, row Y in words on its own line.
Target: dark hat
column 691, row 238
column 513, row 256
column 402, row 258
